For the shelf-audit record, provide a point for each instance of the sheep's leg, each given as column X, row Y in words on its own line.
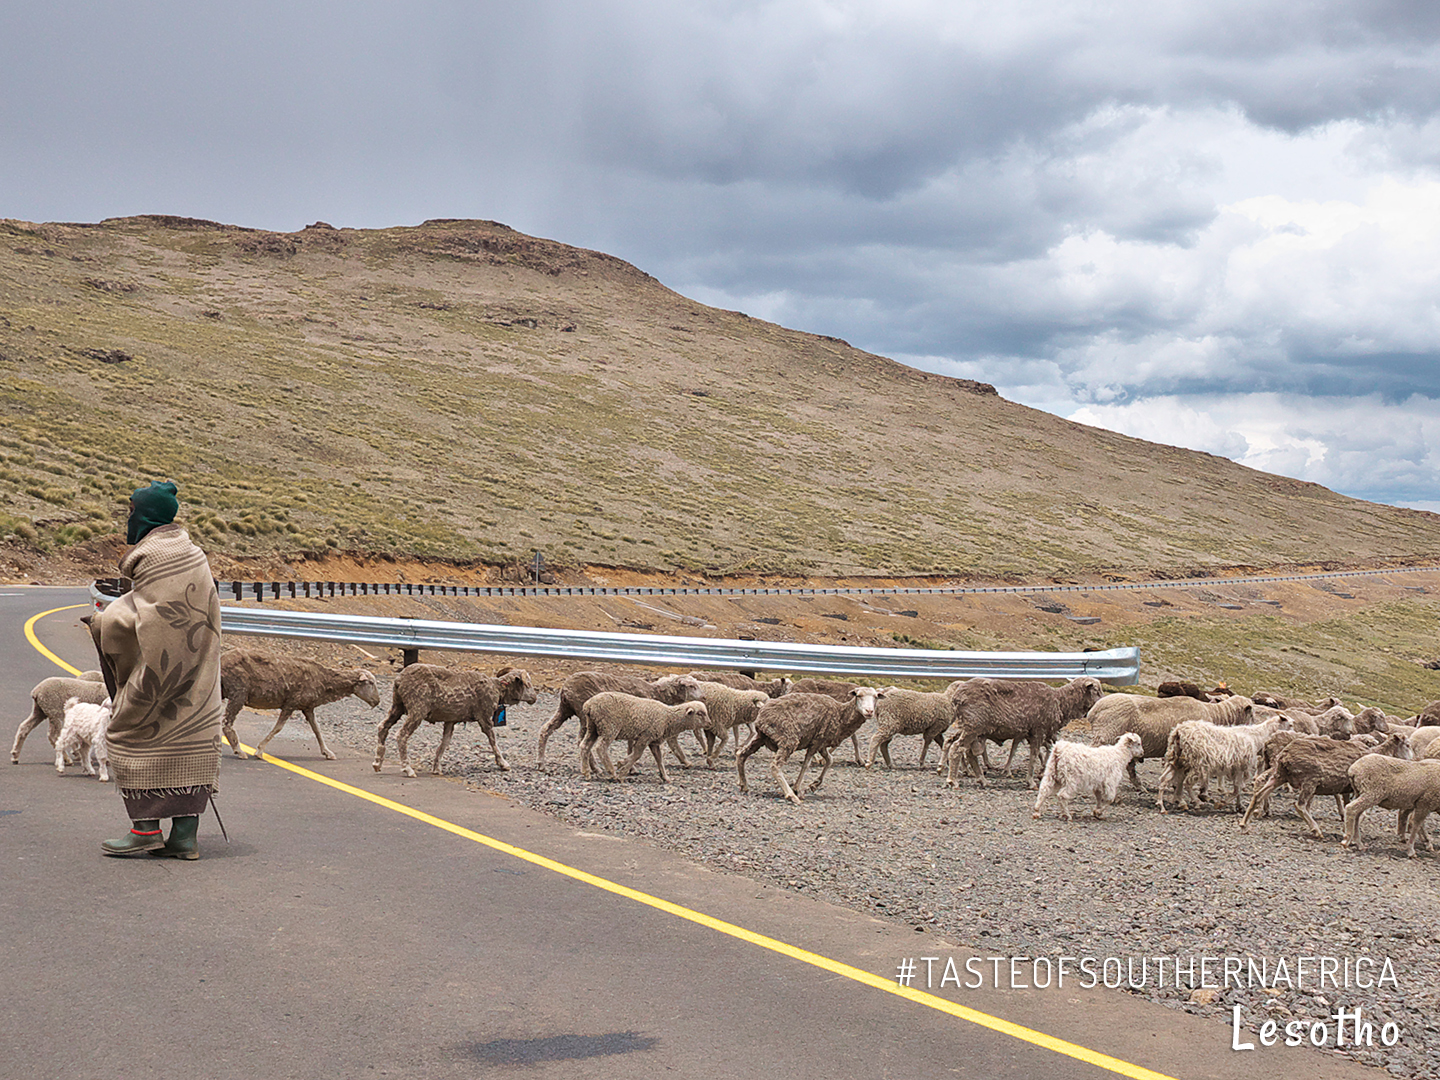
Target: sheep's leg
column 637, row 747
column 587, row 742
column 1100, row 803
column 1352, row 821
column 674, row 743
column 102, row 758
column 1014, row 746
column 233, row 705
column 1260, row 798
column 1047, row 788
column 1135, row 776
column 446, row 731
column 494, row 749
column 659, row 761
column 29, row 724
column 325, row 751
column 1302, row 807
column 824, row 768
column 855, row 745
column 1035, row 743
column 551, row 726
column 602, row 751
column 1417, row 829
column 777, row 770
column 60, row 757
column 284, row 715
column 925, row 740
column 878, row 742
column 402, row 743
column 756, row 741
column 397, row 710
column 85, row 765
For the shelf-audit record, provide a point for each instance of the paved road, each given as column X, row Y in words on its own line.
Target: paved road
column 363, row 925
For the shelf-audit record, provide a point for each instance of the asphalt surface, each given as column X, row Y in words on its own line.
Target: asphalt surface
column 394, row 936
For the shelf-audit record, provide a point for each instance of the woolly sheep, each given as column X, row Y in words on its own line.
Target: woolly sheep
column 47, row 705
column 1411, row 787
column 260, row 680
column 910, row 712
column 1198, row 749
column 729, row 709
column 1317, row 766
column 83, row 731
column 1154, row 718
column 583, row 685
column 1423, row 739
column 1012, row 709
column 643, row 721
column 735, row 680
column 838, row 689
column 1077, row 770
column 815, row 723
column 429, row 693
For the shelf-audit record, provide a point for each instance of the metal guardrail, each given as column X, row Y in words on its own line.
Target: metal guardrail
column 1115, row 666
column 277, row 590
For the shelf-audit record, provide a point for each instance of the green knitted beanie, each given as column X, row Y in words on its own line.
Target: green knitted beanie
column 151, row 507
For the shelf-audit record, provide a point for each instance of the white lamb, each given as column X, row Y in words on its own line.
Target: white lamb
column 82, row 732
column 1077, row 770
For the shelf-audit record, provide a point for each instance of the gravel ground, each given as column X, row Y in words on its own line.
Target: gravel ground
column 972, row 866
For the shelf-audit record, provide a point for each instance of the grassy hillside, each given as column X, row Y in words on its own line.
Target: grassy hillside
column 458, row 389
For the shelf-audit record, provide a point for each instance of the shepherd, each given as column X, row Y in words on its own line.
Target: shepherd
column 159, row 647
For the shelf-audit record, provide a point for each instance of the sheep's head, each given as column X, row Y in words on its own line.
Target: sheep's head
column 515, row 687
column 1133, row 744
column 784, row 683
column 694, row 716
column 1090, row 691
column 367, row 689
column 865, row 698
column 1398, row 746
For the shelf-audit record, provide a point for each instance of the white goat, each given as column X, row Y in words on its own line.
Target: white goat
column 1074, row 769
column 83, row 732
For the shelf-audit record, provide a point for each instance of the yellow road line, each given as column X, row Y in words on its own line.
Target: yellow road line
column 30, row 634
column 889, row 986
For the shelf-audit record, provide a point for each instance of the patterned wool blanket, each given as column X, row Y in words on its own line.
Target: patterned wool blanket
column 159, row 646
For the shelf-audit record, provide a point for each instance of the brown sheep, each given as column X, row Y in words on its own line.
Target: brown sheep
column 1001, row 709
column 429, row 693
column 249, row 677
column 814, row 723
column 583, row 685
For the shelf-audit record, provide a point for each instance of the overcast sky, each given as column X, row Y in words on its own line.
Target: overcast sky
column 1210, row 224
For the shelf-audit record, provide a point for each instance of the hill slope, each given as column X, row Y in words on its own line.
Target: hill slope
column 459, row 389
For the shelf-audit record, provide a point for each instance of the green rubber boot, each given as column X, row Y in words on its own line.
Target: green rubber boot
column 144, row 835
column 182, row 843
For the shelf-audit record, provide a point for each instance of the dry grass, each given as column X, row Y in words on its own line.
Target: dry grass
column 460, row 390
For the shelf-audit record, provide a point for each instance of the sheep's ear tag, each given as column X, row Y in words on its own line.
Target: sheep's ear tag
column 500, row 717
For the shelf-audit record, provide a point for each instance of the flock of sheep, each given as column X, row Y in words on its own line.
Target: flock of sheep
column 1368, row 757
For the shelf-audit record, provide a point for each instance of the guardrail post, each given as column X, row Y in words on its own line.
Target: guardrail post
column 412, row 656
column 239, row 590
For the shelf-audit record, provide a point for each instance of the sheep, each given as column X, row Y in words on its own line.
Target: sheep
column 1180, row 688
column 729, row 708
column 1423, row 739
column 734, row 679
column 814, row 723
column 1154, row 718
column 583, row 685
column 84, row 731
column 838, row 689
column 1317, row 766
column 1411, row 787
column 1372, row 719
column 642, row 721
column 47, row 704
column 910, row 712
column 1074, row 769
column 1429, row 716
column 260, row 680
column 1197, row 749
column 429, row 693
column 1010, row 709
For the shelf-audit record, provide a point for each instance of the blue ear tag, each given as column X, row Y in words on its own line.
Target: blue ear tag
column 500, row 717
